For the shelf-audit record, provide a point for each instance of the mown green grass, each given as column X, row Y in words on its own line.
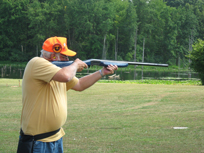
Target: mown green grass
column 161, row 82
column 118, row 117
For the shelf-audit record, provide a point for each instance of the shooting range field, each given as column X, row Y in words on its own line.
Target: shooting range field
column 118, row 118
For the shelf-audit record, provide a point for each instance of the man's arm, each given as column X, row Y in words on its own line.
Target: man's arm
column 87, row 81
column 67, row 73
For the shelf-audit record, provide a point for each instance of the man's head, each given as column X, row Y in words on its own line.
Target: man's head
column 55, row 49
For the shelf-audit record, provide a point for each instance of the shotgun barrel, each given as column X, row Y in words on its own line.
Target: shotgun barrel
column 105, row 63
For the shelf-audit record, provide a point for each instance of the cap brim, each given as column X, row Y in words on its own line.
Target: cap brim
column 68, row 52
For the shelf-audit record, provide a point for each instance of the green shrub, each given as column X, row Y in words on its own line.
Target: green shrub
column 197, row 58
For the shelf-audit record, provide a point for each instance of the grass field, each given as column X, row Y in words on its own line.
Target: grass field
column 118, row 118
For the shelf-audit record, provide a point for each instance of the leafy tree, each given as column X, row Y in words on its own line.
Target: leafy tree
column 13, row 21
column 88, row 22
column 46, row 20
column 120, row 8
column 125, row 22
column 184, row 22
column 5, row 30
column 165, row 25
column 154, row 18
column 154, row 30
column 178, row 3
column 199, row 13
column 197, row 58
column 127, row 33
column 175, row 3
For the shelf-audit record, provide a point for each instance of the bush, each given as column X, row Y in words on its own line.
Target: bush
column 197, row 59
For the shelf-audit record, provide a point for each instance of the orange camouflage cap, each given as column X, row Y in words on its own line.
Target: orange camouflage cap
column 57, row 45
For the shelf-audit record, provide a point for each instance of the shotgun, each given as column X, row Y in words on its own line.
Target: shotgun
column 105, row 63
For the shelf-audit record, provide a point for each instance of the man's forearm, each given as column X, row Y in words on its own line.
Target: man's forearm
column 88, row 80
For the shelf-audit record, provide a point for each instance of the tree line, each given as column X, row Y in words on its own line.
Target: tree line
column 164, row 30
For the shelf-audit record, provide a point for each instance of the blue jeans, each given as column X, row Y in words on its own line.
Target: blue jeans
column 48, row 147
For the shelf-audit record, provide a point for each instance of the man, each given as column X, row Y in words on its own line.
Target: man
column 44, row 96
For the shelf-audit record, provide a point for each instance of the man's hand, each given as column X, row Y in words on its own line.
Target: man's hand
column 80, row 65
column 109, row 70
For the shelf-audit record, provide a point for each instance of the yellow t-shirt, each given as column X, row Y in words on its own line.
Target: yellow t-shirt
column 44, row 101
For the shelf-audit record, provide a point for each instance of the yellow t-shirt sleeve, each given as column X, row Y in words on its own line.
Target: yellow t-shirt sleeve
column 72, row 83
column 43, row 69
